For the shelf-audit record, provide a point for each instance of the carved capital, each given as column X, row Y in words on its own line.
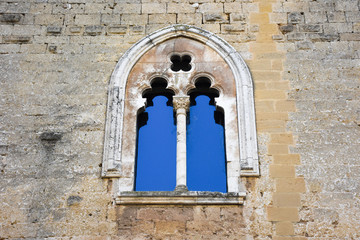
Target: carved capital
column 181, row 103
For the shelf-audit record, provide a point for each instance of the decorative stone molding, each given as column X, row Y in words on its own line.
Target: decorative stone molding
column 181, row 102
column 243, row 163
column 180, row 198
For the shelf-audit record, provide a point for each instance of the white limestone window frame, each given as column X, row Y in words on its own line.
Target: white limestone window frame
column 248, row 161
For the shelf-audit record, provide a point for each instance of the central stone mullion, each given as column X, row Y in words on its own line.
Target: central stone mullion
column 181, row 106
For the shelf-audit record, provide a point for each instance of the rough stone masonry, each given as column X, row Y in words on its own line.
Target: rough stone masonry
column 57, row 57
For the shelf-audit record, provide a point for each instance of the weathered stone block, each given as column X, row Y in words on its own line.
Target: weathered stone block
column 346, row 5
column 319, row 6
column 287, row 159
column 254, row 28
column 75, row 29
column 274, row 149
column 15, row 7
column 285, row 106
column 16, row 39
column 279, row 18
column 295, row 17
column 331, row 28
column 33, row 48
column 215, row 28
column 96, row 8
column 286, row 28
column 153, row 8
column 290, row 185
column 170, row 227
column 191, row 18
column 52, row 49
column 150, row 28
column 121, row 29
column 336, row 16
column 6, row 30
column 108, row 19
column 237, row 17
column 211, row 8
column 11, row 18
column 315, row 17
column 350, row 37
column 233, row 28
column 282, row 171
column 41, row 8
column 328, row 215
column 53, row 29
column 31, row 30
column 264, row 106
column 249, row 7
column 49, row 19
column 316, row 37
column 180, row 8
column 65, row 8
column 127, row 8
column 352, row 16
column 284, row 228
column 282, row 214
column 259, row 18
column 134, row 19
column 282, row 138
column 296, row 37
column 296, row 6
column 9, row 48
column 270, row 94
column 305, row 45
column 163, row 19
column 90, row 19
column 137, row 29
column 93, row 30
column 309, row 28
column 215, row 17
column 231, row 7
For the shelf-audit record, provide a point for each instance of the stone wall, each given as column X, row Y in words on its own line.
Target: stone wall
column 56, row 59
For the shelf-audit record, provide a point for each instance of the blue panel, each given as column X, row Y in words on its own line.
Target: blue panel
column 206, row 169
column 156, row 151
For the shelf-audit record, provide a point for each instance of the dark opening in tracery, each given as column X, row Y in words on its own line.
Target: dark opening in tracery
column 180, row 63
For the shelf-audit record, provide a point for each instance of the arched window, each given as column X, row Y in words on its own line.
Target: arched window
column 201, row 79
column 156, row 141
column 206, row 158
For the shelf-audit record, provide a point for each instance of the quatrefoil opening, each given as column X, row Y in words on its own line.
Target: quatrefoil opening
column 180, row 63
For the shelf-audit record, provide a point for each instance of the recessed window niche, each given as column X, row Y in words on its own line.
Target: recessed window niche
column 189, row 74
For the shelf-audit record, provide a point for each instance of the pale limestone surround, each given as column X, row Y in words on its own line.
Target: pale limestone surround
column 213, row 58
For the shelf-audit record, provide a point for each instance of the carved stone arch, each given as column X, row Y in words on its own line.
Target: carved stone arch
column 246, row 163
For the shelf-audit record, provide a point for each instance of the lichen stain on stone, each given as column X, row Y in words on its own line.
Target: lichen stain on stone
column 50, row 136
column 73, row 200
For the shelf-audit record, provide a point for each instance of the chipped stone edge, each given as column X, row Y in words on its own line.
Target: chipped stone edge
column 248, row 159
column 183, row 198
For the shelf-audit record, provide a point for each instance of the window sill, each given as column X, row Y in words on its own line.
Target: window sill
column 180, row 198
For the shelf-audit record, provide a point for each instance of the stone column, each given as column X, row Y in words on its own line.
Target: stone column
column 181, row 105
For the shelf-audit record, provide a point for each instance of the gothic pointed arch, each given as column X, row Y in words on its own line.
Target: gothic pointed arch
column 150, row 58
